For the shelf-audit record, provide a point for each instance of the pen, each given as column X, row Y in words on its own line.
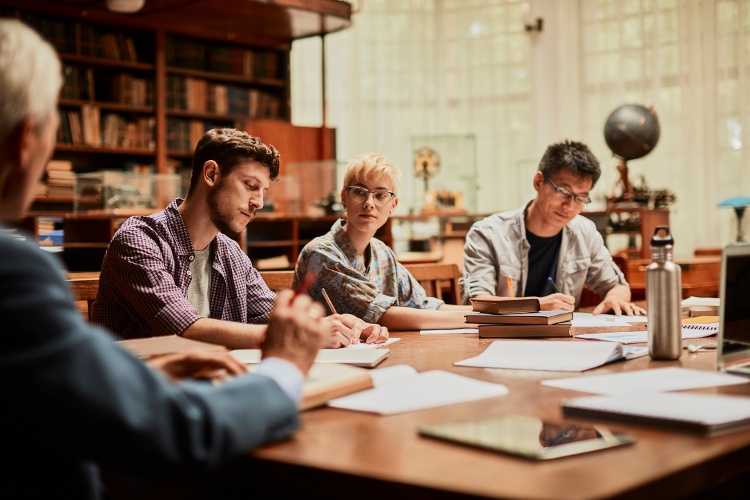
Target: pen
column 554, row 285
column 328, row 300
column 510, row 287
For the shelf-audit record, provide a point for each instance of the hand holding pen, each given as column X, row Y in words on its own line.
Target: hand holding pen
column 557, row 301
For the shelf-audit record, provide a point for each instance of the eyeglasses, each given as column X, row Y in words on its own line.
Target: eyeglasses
column 566, row 194
column 380, row 196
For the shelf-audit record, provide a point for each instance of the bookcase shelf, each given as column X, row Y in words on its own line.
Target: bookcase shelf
column 108, row 57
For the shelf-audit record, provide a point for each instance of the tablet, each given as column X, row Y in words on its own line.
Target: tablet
column 527, row 437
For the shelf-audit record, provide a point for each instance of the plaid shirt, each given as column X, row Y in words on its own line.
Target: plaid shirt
column 146, row 272
column 364, row 291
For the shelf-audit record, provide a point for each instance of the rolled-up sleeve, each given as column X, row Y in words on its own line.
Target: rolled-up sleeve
column 603, row 274
column 142, row 278
column 350, row 291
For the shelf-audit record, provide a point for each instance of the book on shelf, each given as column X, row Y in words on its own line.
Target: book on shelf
column 491, row 331
column 534, row 318
column 706, row 414
column 492, row 304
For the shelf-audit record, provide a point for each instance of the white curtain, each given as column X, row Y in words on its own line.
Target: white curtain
column 408, row 68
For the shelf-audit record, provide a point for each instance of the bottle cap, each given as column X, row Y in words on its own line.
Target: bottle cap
column 662, row 237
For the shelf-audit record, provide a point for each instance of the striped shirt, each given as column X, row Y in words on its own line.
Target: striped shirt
column 143, row 286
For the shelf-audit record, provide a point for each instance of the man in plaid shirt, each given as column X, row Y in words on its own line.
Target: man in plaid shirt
column 176, row 271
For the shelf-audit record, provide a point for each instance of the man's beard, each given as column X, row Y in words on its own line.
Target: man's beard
column 221, row 223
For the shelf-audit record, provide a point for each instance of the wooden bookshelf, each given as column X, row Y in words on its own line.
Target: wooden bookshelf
column 174, row 70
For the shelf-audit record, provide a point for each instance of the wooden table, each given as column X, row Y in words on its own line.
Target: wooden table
column 346, row 454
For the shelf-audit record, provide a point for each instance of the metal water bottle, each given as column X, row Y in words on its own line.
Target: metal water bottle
column 663, row 296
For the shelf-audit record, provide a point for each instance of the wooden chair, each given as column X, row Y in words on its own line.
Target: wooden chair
column 84, row 291
column 278, row 280
column 438, row 280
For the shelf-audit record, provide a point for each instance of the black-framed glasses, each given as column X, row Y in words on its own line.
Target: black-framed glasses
column 567, row 194
column 380, row 196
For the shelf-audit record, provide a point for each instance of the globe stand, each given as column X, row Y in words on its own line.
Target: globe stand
column 624, row 182
column 739, row 212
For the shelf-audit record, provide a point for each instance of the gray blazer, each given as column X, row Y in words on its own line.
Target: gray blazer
column 72, row 398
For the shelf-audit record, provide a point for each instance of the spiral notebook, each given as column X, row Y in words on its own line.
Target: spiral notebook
column 689, row 331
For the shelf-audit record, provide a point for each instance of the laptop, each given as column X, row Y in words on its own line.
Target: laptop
column 734, row 311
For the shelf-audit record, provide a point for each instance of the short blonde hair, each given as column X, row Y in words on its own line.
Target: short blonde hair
column 372, row 165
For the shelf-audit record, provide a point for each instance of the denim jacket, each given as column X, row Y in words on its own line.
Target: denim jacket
column 496, row 248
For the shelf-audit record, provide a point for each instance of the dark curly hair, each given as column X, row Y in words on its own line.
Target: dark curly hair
column 229, row 147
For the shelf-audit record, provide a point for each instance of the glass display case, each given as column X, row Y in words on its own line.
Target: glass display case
column 112, row 189
column 308, row 188
column 443, row 175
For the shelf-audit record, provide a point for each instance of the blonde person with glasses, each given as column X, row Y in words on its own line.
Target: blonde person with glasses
column 360, row 273
column 546, row 249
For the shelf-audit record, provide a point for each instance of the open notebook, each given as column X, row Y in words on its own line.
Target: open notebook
column 365, row 358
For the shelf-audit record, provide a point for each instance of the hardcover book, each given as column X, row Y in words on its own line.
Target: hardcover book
column 505, row 305
column 167, row 344
column 707, row 414
column 328, row 381
column 524, row 331
column 535, row 318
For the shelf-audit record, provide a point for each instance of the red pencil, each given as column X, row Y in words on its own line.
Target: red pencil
column 304, row 285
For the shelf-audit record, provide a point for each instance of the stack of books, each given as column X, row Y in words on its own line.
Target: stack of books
column 517, row 317
column 59, row 179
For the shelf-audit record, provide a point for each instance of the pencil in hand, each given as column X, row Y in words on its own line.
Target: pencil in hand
column 328, row 301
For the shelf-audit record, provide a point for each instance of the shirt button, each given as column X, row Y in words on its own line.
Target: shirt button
column 188, row 273
column 192, row 257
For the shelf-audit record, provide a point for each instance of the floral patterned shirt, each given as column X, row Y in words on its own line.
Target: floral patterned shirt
column 358, row 286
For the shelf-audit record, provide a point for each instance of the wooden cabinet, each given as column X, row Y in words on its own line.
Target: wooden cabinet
column 87, row 236
column 638, row 223
column 275, row 241
column 141, row 89
column 210, row 85
column 700, row 276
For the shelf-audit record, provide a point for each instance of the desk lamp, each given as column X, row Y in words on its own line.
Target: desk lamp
column 738, row 203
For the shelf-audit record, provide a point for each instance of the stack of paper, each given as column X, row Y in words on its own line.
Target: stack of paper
column 646, row 381
column 704, row 413
column 545, row 355
column 400, row 389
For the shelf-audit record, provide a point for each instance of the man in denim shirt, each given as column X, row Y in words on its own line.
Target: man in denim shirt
column 546, row 248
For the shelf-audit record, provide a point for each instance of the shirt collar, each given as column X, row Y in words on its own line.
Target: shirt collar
column 344, row 242
column 176, row 225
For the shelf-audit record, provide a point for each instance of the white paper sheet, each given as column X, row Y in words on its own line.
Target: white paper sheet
column 591, row 320
column 418, row 392
column 710, row 413
column 544, row 355
column 688, row 332
column 701, row 301
column 646, row 381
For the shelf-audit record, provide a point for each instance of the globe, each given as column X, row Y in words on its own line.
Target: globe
column 632, row 131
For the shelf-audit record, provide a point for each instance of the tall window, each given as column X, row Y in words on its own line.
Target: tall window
column 421, row 67
column 688, row 60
